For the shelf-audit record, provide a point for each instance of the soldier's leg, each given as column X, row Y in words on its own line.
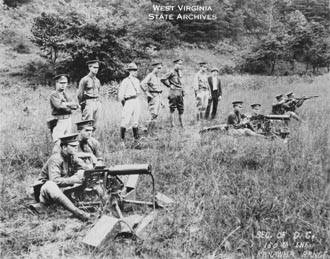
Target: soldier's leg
column 215, row 107
column 97, row 112
column 88, row 112
column 199, row 97
column 208, row 108
column 135, row 118
column 250, row 133
column 125, row 117
column 295, row 116
column 205, row 98
column 180, row 106
column 63, row 126
column 172, row 105
column 51, row 193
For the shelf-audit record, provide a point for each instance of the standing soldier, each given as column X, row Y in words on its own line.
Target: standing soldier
column 61, row 106
column 62, row 169
column 216, row 93
column 129, row 91
column 89, row 92
column 151, row 85
column 89, row 144
column 201, row 88
column 176, row 93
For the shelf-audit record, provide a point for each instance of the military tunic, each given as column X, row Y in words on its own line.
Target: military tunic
column 91, row 146
column 89, row 91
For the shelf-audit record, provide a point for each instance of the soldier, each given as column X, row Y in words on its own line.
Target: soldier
column 151, row 85
column 255, row 118
column 280, row 107
column 89, row 92
column 292, row 102
column 61, row 105
column 129, row 91
column 201, row 88
column 238, row 122
column 176, row 93
column 89, row 144
column 216, row 93
column 62, row 169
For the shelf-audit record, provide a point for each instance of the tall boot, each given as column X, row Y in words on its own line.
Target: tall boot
column 180, row 120
column 136, row 133
column 201, row 115
column 151, row 127
column 122, row 133
column 67, row 204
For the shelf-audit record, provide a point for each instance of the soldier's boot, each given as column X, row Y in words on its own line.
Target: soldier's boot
column 201, row 115
column 67, row 204
column 151, row 127
column 122, row 133
column 172, row 120
column 180, row 120
column 198, row 116
column 136, row 137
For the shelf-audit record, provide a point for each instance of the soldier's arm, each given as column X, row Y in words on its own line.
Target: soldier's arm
column 145, row 82
column 58, row 103
column 54, row 173
column 166, row 78
column 195, row 83
column 121, row 91
column 81, row 89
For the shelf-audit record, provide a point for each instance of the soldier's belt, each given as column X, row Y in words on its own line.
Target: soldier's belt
column 130, row 98
column 156, row 92
column 62, row 117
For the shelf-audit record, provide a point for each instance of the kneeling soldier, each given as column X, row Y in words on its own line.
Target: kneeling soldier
column 238, row 123
column 281, row 106
column 62, row 169
column 89, row 144
column 129, row 91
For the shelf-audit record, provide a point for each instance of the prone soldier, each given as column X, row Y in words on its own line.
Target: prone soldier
column 280, row 107
column 128, row 94
column 152, row 86
column 172, row 80
column 201, row 89
column 238, row 123
column 63, row 169
column 89, row 144
column 89, row 92
column 61, row 107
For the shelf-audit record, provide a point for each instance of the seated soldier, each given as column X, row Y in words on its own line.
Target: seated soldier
column 89, row 144
column 62, row 169
column 238, row 123
column 255, row 118
column 280, row 107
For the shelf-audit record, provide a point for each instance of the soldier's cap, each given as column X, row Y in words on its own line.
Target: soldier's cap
column 61, row 77
column 202, row 63
column 85, row 124
column 289, row 94
column 177, row 60
column 156, row 63
column 71, row 139
column 237, row 103
column 279, row 96
column 132, row 66
column 255, row 105
column 93, row 61
column 214, row 69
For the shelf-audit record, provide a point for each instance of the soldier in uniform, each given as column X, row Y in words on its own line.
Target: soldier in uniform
column 255, row 117
column 89, row 144
column 63, row 169
column 238, row 124
column 216, row 93
column 201, row 88
column 151, row 85
column 292, row 102
column 281, row 106
column 173, row 81
column 89, row 92
column 128, row 94
column 61, row 106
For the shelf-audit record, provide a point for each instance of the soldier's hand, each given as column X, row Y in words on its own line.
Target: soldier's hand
column 219, row 98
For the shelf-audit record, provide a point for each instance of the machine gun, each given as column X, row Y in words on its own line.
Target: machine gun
column 111, row 190
column 267, row 126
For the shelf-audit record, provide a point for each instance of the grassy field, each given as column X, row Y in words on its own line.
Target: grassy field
column 233, row 195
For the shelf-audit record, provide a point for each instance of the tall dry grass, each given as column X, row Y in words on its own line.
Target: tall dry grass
column 227, row 189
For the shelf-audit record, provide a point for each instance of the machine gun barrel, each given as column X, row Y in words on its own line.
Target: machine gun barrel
column 123, row 169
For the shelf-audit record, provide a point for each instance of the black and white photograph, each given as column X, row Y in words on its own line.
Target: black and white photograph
column 175, row 129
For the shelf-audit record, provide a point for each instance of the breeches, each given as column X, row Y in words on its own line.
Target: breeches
column 131, row 112
column 92, row 110
column 154, row 106
column 202, row 99
column 63, row 127
column 50, row 193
